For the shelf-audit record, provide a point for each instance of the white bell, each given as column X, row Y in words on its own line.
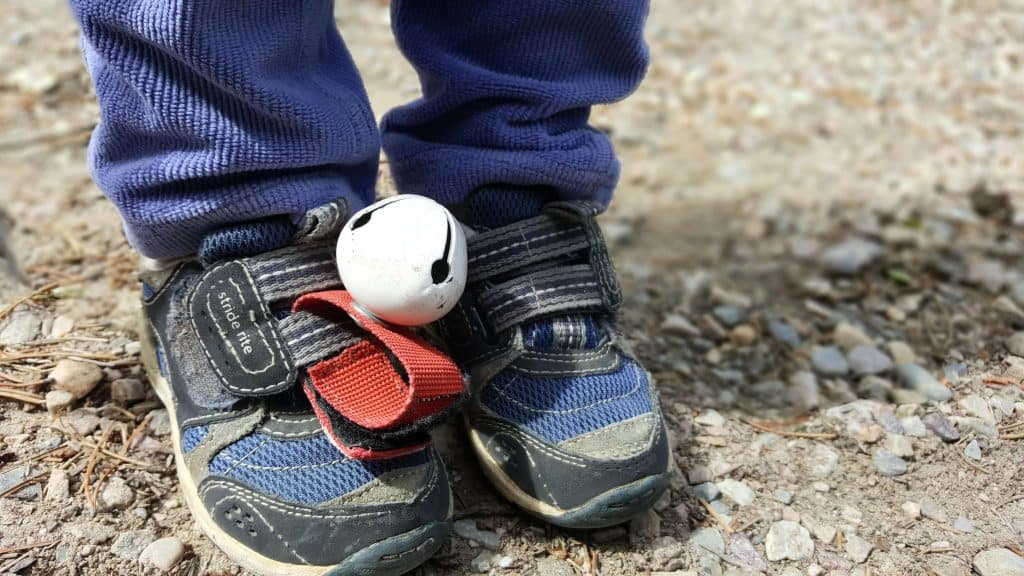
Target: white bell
column 403, row 260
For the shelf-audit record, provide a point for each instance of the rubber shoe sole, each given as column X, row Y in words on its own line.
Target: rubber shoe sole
column 610, row 508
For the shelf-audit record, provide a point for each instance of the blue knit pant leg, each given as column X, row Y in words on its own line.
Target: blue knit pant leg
column 216, row 112
column 507, row 92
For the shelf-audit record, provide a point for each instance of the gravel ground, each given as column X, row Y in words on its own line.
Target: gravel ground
column 817, row 232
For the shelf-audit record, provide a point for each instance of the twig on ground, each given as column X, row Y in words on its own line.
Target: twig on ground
column 25, row 397
column 12, row 549
column 791, row 434
column 44, row 289
column 26, row 482
column 93, row 458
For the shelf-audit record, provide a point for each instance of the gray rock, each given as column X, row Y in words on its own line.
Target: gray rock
column 899, row 445
column 160, row 423
column 481, row 564
column 466, row 528
column 646, row 526
column 947, row 566
column 905, row 396
column 1015, row 344
column 736, row 491
column 913, row 426
column 58, row 400
column 58, row 487
column 704, row 539
column 783, row 496
column 163, row 554
column 76, row 377
column 998, row 562
column 888, row 464
column 902, row 353
column 851, row 256
column 784, row 333
column 699, row 474
column 127, row 390
column 874, row 387
column 847, row 336
column 868, row 360
column 129, row 545
column 857, row 548
column 707, row 491
column 710, row 418
column 987, row 273
column 962, row 524
column 973, row 450
column 824, row 461
column 116, row 495
column 743, row 554
column 666, row 553
column 21, row 326
column 788, row 541
column 941, row 426
column 729, row 316
column 917, row 378
column 829, row 361
column 929, row 509
column 978, row 407
column 803, row 391
column 13, row 477
column 888, row 420
column 679, row 325
column 979, row 427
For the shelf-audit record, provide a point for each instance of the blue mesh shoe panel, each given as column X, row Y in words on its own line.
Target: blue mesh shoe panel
column 558, row 409
column 191, row 437
column 309, row 471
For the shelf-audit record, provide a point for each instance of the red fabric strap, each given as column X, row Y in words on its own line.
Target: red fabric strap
column 363, row 384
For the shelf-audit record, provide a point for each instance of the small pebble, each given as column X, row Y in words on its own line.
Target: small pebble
column 917, row 378
column 899, row 445
column 784, row 333
column 482, row 562
column 911, row 510
column 116, row 495
column 788, row 541
column 868, row 360
column 889, row 464
column 941, row 426
column 707, row 491
column 847, row 336
column 902, row 353
column 929, row 509
column 736, row 491
column 998, row 562
column 973, row 451
column 743, row 335
column 850, row 256
column 58, row 400
column 913, row 426
column 962, row 524
column 78, row 378
column 829, row 361
column 857, row 548
column 163, row 554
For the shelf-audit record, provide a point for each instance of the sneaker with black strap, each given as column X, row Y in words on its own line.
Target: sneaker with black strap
column 564, row 419
column 300, row 428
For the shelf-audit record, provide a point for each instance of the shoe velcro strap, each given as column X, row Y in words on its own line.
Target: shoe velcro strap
column 564, row 290
column 391, row 379
column 497, row 252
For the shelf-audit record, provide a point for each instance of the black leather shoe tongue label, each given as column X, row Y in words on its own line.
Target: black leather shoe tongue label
column 238, row 334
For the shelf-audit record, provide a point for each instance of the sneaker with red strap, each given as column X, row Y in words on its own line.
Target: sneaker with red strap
column 300, row 427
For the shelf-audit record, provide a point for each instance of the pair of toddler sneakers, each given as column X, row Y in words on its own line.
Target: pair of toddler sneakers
column 301, row 431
